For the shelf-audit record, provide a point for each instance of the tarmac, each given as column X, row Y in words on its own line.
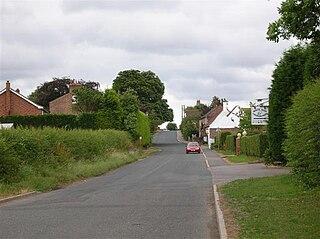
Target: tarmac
column 223, row 172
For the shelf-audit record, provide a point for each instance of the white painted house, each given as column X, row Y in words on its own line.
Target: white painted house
column 227, row 120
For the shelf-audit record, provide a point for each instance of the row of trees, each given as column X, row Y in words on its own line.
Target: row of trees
column 132, row 90
column 293, row 128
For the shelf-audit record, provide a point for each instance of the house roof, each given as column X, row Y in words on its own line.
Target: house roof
column 214, row 114
column 228, row 118
column 23, row 97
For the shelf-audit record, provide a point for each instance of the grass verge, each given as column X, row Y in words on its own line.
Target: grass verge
column 229, row 155
column 273, row 207
column 50, row 178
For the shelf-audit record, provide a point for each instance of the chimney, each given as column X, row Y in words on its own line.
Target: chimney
column 73, row 86
column 214, row 102
column 8, row 100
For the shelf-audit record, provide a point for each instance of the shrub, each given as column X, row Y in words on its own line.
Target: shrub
column 143, row 128
column 302, row 146
column 9, row 164
column 223, row 137
column 230, row 143
column 43, row 149
column 254, row 145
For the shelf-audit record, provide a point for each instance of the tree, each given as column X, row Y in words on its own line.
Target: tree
column 298, row 18
column 130, row 106
column 110, row 115
column 149, row 89
column 171, row 126
column 56, row 88
column 302, row 146
column 287, row 80
column 88, row 100
column 188, row 126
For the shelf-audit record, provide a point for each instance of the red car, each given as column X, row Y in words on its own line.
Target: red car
column 193, row 147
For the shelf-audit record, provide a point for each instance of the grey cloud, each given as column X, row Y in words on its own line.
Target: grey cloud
column 120, row 5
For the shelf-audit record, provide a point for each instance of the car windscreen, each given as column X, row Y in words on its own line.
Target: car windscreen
column 193, row 144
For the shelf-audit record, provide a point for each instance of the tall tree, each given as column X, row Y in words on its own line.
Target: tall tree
column 88, row 99
column 298, row 18
column 149, row 89
column 287, row 80
column 110, row 115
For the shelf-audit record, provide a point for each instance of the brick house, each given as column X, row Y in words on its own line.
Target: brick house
column 13, row 103
column 63, row 104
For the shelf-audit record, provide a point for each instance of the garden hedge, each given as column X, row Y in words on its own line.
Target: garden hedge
column 254, row 145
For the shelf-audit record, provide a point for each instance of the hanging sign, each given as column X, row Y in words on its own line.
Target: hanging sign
column 259, row 115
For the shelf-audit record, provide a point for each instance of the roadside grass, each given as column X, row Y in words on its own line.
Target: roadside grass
column 50, row 178
column 273, row 207
column 230, row 156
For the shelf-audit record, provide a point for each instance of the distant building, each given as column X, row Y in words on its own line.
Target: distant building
column 14, row 103
column 63, row 104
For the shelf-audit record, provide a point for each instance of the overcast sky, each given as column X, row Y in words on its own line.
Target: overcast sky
column 198, row 48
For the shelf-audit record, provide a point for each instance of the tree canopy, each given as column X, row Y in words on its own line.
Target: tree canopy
column 298, row 18
column 149, row 90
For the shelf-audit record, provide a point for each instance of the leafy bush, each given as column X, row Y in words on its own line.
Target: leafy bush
column 230, row 143
column 171, row 126
column 302, row 146
column 41, row 149
column 9, row 164
column 254, row 145
column 223, row 137
column 143, row 128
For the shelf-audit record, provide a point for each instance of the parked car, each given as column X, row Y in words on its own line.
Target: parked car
column 193, row 147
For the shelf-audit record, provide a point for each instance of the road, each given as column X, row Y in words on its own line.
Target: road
column 168, row 195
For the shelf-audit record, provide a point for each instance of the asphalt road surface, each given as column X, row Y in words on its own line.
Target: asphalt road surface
column 168, row 195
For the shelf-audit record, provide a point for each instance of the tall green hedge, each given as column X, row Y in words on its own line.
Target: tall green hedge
column 302, row 146
column 143, row 128
column 46, row 120
column 254, row 145
column 49, row 147
column 230, row 143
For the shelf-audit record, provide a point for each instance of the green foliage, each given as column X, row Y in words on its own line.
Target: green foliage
column 9, row 164
column 143, row 128
column 130, row 107
column 88, row 100
column 149, row 90
column 302, row 146
column 223, row 137
column 110, row 117
column 172, row 126
column 254, row 145
column 46, row 120
column 298, row 18
column 87, row 121
column 287, row 80
column 189, row 127
column 230, row 143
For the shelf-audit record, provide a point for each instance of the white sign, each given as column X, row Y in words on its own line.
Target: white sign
column 6, row 125
column 259, row 115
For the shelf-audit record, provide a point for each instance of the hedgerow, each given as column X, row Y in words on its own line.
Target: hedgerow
column 302, row 146
column 42, row 148
column 254, row 145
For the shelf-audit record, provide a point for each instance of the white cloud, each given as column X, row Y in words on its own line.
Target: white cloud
column 198, row 48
